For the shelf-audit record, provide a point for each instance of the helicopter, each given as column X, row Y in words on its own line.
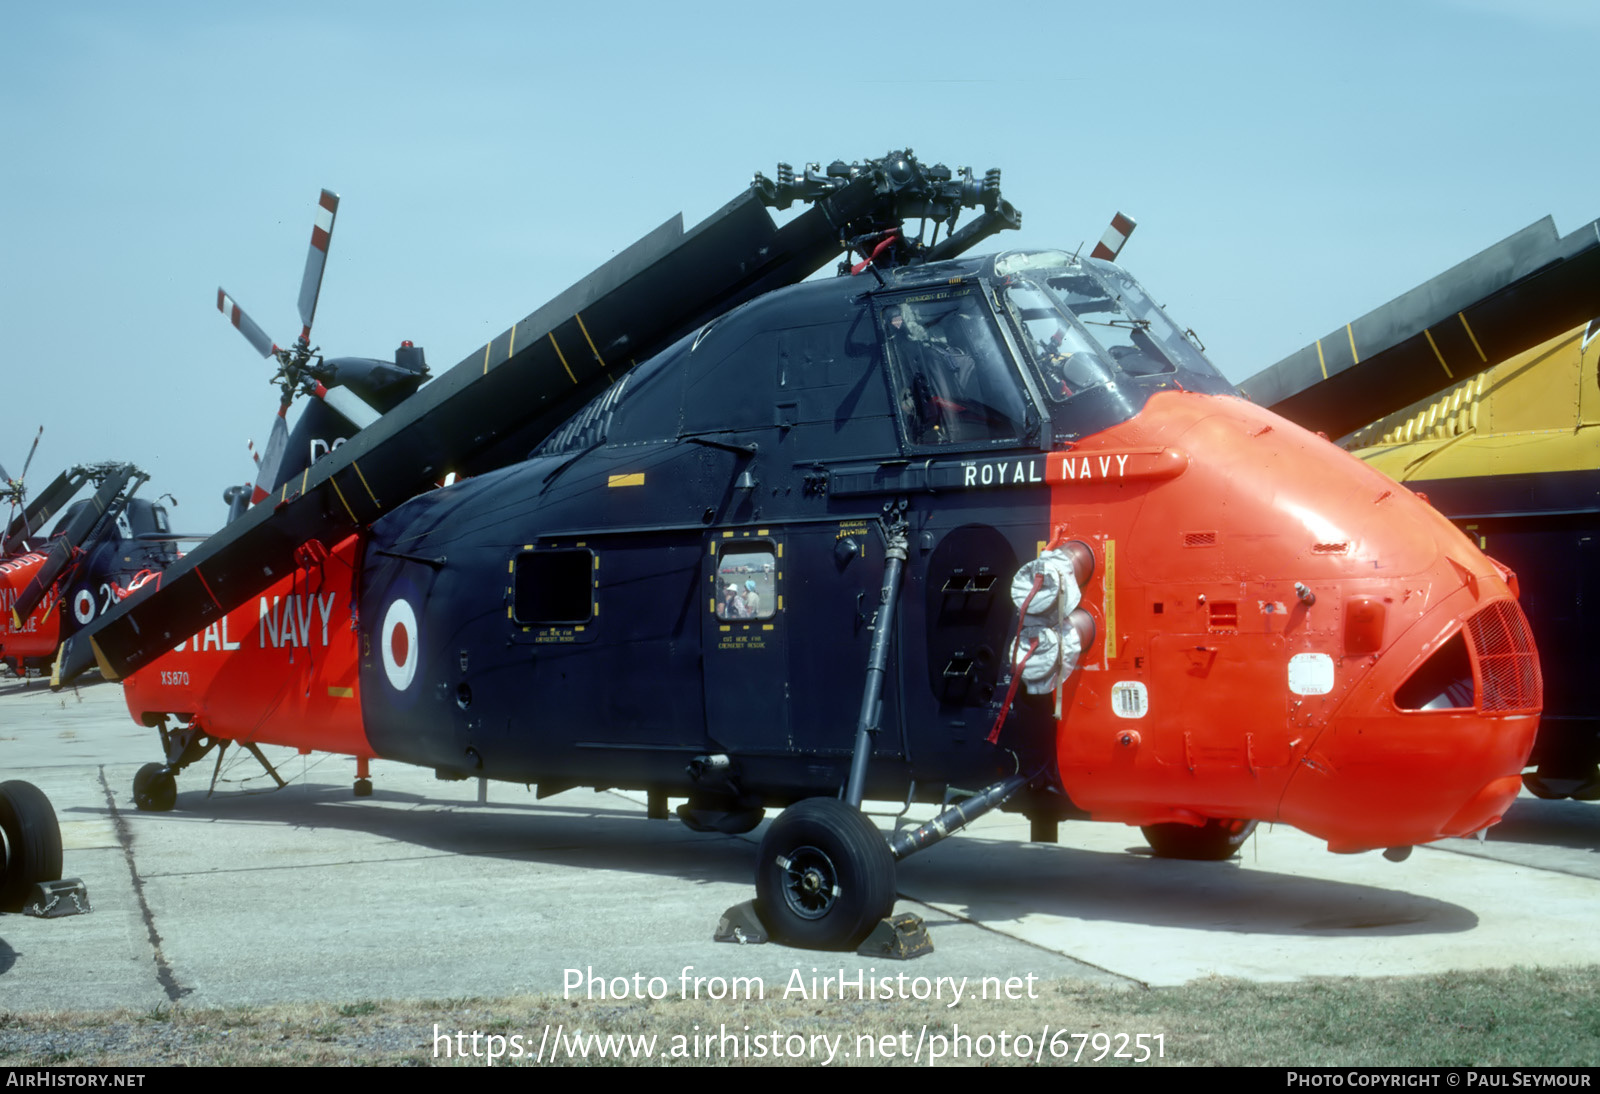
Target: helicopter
column 974, row 531
column 101, row 547
column 1479, row 390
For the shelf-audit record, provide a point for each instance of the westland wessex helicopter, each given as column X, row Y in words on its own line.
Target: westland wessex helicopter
column 1497, row 360
column 101, row 547
column 949, row 522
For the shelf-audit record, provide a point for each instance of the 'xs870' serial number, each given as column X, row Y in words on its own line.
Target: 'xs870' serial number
column 174, row 678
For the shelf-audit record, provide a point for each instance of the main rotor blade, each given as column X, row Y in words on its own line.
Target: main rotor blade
column 253, row 334
column 1527, row 288
column 277, row 444
column 1110, row 245
column 349, row 404
column 45, row 504
column 84, row 530
column 27, row 463
column 489, row 410
column 316, row 259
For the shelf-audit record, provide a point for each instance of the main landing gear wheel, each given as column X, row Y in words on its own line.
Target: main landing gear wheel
column 824, row 877
column 155, row 788
column 32, row 842
column 1213, row 841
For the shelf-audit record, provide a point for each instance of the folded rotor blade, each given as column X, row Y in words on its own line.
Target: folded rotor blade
column 277, row 444
column 1110, row 245
column 1529, row 287
column 253, row 334
column 494, row 405
column 45, row 504
column 81, row 531
column 316, row 259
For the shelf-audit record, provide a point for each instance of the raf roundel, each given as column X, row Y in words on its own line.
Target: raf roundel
column 83, row 606
column 400, row 644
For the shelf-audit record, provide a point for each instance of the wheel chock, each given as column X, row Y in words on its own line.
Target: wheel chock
column 741, row 924
column 897, row 938
column 55, row 899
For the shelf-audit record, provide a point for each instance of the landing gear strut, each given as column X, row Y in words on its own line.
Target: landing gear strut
column 155, row 787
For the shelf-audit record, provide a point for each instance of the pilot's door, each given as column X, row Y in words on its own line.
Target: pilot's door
column 744, row 639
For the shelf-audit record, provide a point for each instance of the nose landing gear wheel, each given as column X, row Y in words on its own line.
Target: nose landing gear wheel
column 1213, row 841
column 31, row 844
column 155, row 788
column 824, row 877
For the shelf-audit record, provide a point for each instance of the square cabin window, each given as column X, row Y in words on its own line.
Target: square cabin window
column 550, row 587
column 747, row 582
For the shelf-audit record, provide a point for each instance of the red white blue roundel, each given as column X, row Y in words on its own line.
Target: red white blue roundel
column 83, row 606
column 399, row 644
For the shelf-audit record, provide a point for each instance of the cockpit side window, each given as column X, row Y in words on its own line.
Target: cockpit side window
column 953, row 376
column 1068, row 360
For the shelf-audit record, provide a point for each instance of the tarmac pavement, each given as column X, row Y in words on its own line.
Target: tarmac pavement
column 254, row 895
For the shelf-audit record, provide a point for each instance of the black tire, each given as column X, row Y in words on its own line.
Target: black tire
column 1213, row 841
column 824, row 876
column 155, row 789
column 33, row 842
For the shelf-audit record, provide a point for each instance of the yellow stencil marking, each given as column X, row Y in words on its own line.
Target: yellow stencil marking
column 1352, row 335
column 1435, row 346
column 1110, row 585
column 1320, row 360
column 1472, row 336
column 635, row 479
column 562, row 357
column 357, row 468
column 333, row 483
column 341, row 693
column 586, row 338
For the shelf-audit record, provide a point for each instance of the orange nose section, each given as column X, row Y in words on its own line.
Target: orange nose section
column 1431, row 745
column 1284, row 635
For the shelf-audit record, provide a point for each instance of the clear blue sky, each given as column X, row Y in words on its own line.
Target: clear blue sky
column 1291, row 167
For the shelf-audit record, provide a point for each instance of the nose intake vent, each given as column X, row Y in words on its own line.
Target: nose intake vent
column 1506, row 660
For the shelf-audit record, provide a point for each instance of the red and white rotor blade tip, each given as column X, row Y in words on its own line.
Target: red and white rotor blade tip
column 317, row 259
column 1110, row 245
column 252, row 333
column 277, row 444
column 27, row 463
column 349, row 404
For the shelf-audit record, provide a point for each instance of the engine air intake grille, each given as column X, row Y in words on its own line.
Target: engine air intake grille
column 1506, row 660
